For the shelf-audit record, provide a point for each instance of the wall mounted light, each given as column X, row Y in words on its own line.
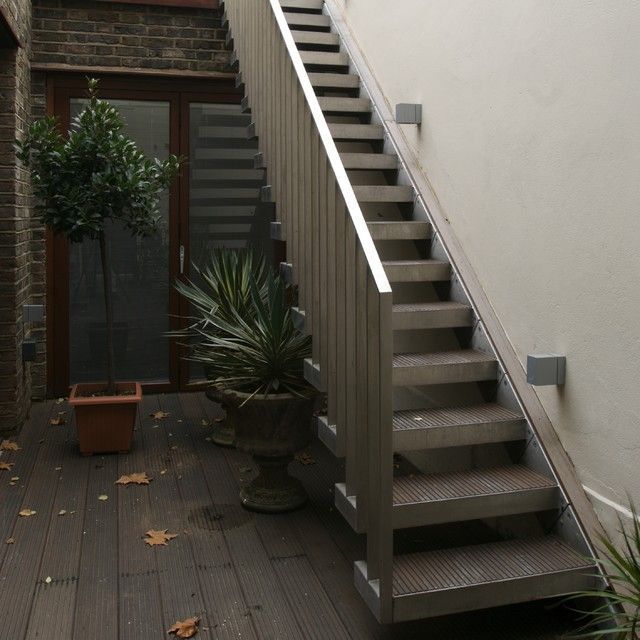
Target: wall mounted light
column 546, row 369
column 408, row 113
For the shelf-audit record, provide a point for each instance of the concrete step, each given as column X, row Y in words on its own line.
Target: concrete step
column 315, row 38
column 443, row 367
column 302, row 5
column 307, row 21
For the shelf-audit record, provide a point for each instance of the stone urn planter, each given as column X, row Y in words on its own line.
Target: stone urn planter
column 272, row 429
column 223, row 433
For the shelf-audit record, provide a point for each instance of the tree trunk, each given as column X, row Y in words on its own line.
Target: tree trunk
column 108, row 306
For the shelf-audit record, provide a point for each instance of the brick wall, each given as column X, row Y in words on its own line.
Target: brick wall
column 15, row 222
column 85, row 33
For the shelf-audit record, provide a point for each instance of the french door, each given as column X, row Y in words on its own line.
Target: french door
column 214, row 202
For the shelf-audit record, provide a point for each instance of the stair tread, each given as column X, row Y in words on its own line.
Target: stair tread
column 428, row 307
column 461, row 567
column 334, row 80
column 312, row 20
column 325, row 58
column 411, row 263
column 315, row 38
column 420, row 488
column 452, row 416
column 307, row 5
column 437, row 358
column 384, row 193
column 399, row 229
column 369, row 161
column 341, row 130
column 344, row 105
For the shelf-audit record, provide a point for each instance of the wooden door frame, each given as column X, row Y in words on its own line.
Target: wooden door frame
column 179, row 93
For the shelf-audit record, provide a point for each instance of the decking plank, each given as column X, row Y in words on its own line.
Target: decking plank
column 140, row 606
column 23, row 558
column 266, row 601
column 54, row 603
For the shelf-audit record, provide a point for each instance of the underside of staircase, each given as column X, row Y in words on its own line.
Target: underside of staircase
column 448, row 441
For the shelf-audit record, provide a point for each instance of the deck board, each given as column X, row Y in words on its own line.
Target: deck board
column 247, row 575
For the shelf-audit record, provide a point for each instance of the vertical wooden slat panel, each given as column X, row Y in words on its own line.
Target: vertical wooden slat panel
column 342, row 286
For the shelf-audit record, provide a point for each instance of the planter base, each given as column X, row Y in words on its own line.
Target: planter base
column 274, row 490
column 223, row 434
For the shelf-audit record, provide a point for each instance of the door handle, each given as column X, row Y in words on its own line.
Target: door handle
column 181, row 259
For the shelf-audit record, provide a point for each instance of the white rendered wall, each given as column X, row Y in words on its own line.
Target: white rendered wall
column 531, row 140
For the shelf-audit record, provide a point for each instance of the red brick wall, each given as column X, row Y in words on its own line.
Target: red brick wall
column 108, row 34
column 15, row 222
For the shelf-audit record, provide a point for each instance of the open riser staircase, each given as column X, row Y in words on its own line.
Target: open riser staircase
column 420, row 405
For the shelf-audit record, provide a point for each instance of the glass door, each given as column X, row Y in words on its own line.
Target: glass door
column 140, row 275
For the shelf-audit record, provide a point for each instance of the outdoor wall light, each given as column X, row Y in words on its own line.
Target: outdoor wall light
column 546, row 369
column 408, row 113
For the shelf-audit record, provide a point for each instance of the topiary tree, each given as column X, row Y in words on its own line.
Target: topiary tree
column 94, row 176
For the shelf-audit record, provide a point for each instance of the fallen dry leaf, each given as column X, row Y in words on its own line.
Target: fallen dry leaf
column 163, row 472
column 9, row 445
column 10, row 541
column 57, row 468
column 59, row 419
column 6, row 466
column 185, row 628
column 48, row 579
column 103, row 497
column 62, row 512
column 304, row 457
column 134, row 478
column 204, row 423
column 25, row 513
column 159, row 415
column 15, row 478
column 12, row 484
column 155, row 538
column 218, row 419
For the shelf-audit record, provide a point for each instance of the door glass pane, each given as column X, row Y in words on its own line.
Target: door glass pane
column 140, row 276
column 224, row 187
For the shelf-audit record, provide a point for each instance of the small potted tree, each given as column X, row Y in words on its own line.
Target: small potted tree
column 256, row 356
column 84, row 183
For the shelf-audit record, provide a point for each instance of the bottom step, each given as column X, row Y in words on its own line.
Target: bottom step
column 446, row 581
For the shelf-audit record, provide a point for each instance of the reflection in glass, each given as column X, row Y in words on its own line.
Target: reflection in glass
column 140, row 277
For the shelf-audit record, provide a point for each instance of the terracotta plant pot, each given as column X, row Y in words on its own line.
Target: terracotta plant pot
column 105, row 423
column 272, row 429
column 223, row 433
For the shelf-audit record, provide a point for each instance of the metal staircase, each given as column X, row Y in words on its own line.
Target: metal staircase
column 397, row 343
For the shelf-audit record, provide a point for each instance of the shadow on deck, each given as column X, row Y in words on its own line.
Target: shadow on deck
column 88, row 575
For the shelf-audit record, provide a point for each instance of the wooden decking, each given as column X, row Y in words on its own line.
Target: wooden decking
column 88, row 575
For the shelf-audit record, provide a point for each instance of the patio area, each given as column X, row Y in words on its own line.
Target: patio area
column 79, row 568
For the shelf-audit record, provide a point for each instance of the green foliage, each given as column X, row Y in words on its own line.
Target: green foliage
column 616, row 614
column 254, row 347
column 96, row 174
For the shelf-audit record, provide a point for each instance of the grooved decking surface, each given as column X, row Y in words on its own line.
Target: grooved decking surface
column 448, row 568
column 460, row 357
column 464, row 484
column 246, row 575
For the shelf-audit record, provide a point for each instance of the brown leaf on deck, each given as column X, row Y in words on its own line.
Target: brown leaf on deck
column 134, row 478
column 159, row 415
column 26, row 513
column 161, row 537
column 185, row 628
column 9, row 445
column 59, row 419
column 304, row 457
column 6, row 466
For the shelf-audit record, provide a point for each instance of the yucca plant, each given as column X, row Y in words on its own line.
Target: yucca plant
column 256, row 349
column 616, row 614
column 224, row 285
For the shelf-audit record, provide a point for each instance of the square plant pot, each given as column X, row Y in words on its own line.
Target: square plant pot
column 105, row 423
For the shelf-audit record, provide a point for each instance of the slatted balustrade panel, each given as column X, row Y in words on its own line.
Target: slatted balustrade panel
column 343, row 288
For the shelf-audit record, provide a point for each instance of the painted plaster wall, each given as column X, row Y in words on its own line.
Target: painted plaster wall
column 531, row 140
